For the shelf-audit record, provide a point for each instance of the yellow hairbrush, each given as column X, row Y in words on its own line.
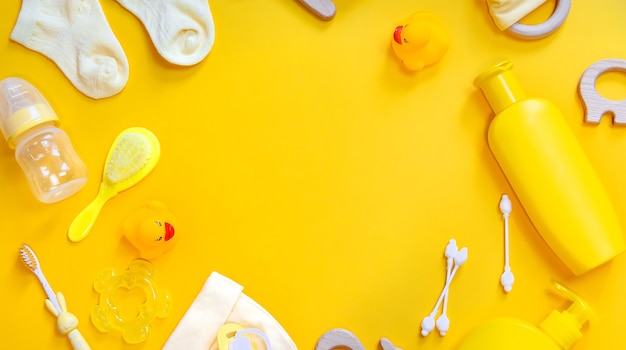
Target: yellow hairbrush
column 132, row 156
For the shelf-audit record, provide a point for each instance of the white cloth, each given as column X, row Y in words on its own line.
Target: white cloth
column 505, row 13
column 77, row 37
column 182, row 31
column 221, row 301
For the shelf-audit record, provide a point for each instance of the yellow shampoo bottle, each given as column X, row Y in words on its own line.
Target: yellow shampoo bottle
column 550, row 174
column 558, row 331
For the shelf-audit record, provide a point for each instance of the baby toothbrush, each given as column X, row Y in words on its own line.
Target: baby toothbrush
column 67, row 323
column 30, row 260
column 132, row 156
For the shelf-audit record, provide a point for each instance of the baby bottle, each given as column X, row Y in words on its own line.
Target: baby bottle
column 43, row 151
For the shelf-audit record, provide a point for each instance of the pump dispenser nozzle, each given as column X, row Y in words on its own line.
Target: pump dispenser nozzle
column 564, row 326
column 559, row 331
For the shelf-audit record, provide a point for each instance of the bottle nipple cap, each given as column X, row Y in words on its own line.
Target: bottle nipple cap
column 564, row 327
column 500, row 86
column 232, row 336
column 22, row 107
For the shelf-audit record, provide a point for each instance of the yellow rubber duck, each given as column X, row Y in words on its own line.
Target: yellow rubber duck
column 151, row 230
column 421, row 41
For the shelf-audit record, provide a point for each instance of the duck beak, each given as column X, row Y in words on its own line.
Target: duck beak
column 169, row 231
column 397, row 34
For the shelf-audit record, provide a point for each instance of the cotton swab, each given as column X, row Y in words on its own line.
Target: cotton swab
column 428, row 323
column 507, row 277
column 443, row 323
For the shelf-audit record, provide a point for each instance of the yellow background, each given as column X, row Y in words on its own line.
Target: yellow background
column 306, row 164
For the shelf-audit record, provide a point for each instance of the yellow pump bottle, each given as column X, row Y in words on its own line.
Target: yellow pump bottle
column 550, row 173
column 558, row 331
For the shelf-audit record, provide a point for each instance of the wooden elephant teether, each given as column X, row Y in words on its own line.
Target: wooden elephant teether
column 595, row 105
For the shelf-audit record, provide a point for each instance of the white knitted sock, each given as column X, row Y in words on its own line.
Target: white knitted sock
column 181, row 30
column 77, row 37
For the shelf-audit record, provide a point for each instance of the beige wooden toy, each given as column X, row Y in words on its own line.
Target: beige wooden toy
column 595, row 105
column 339, row 338
column 325, row 9
column 542, row 30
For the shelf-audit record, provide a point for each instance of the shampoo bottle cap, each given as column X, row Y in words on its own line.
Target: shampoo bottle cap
column 22, row 107
column 564, row 327
column 500, row 86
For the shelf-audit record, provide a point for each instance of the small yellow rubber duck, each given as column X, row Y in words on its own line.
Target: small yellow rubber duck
column 422, row 41
column 151, row 230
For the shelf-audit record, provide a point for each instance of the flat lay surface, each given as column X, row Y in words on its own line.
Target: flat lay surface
column 304, row 162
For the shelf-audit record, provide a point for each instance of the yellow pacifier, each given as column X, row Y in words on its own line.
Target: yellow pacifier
column 232, row 336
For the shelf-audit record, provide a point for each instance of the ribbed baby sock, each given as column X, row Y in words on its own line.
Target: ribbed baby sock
column 181, row 30
column 78, row 38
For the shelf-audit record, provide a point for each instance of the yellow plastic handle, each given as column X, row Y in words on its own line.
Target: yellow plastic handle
column 78, row 341
column 83, row 223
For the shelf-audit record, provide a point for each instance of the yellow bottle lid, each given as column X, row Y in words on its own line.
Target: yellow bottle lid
column 22, row 107
column 500, row 86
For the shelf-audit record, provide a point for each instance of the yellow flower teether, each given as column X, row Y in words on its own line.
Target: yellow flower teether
column 129, row 301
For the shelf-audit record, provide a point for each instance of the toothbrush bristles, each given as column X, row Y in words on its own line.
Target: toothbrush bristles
column 28, row 257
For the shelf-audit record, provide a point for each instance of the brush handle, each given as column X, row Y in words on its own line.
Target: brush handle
column 78, row 341
column 46, row 287
column 82, row 224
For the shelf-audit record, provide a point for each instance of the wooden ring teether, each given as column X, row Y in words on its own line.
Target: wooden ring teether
column 337, row 337
column 595, row 105
column 538, row 31
column 343, row 338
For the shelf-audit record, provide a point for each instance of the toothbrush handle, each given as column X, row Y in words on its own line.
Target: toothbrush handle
column 49, row 292
column 82, row 224
column 78, row 341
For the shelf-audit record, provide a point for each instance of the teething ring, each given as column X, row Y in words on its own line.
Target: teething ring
column 108, row 314
column 339, row 337
column 595, row 105
column 538, row 31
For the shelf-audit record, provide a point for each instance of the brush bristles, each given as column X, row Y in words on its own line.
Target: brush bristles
column 28, row 257
column 131, row 154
